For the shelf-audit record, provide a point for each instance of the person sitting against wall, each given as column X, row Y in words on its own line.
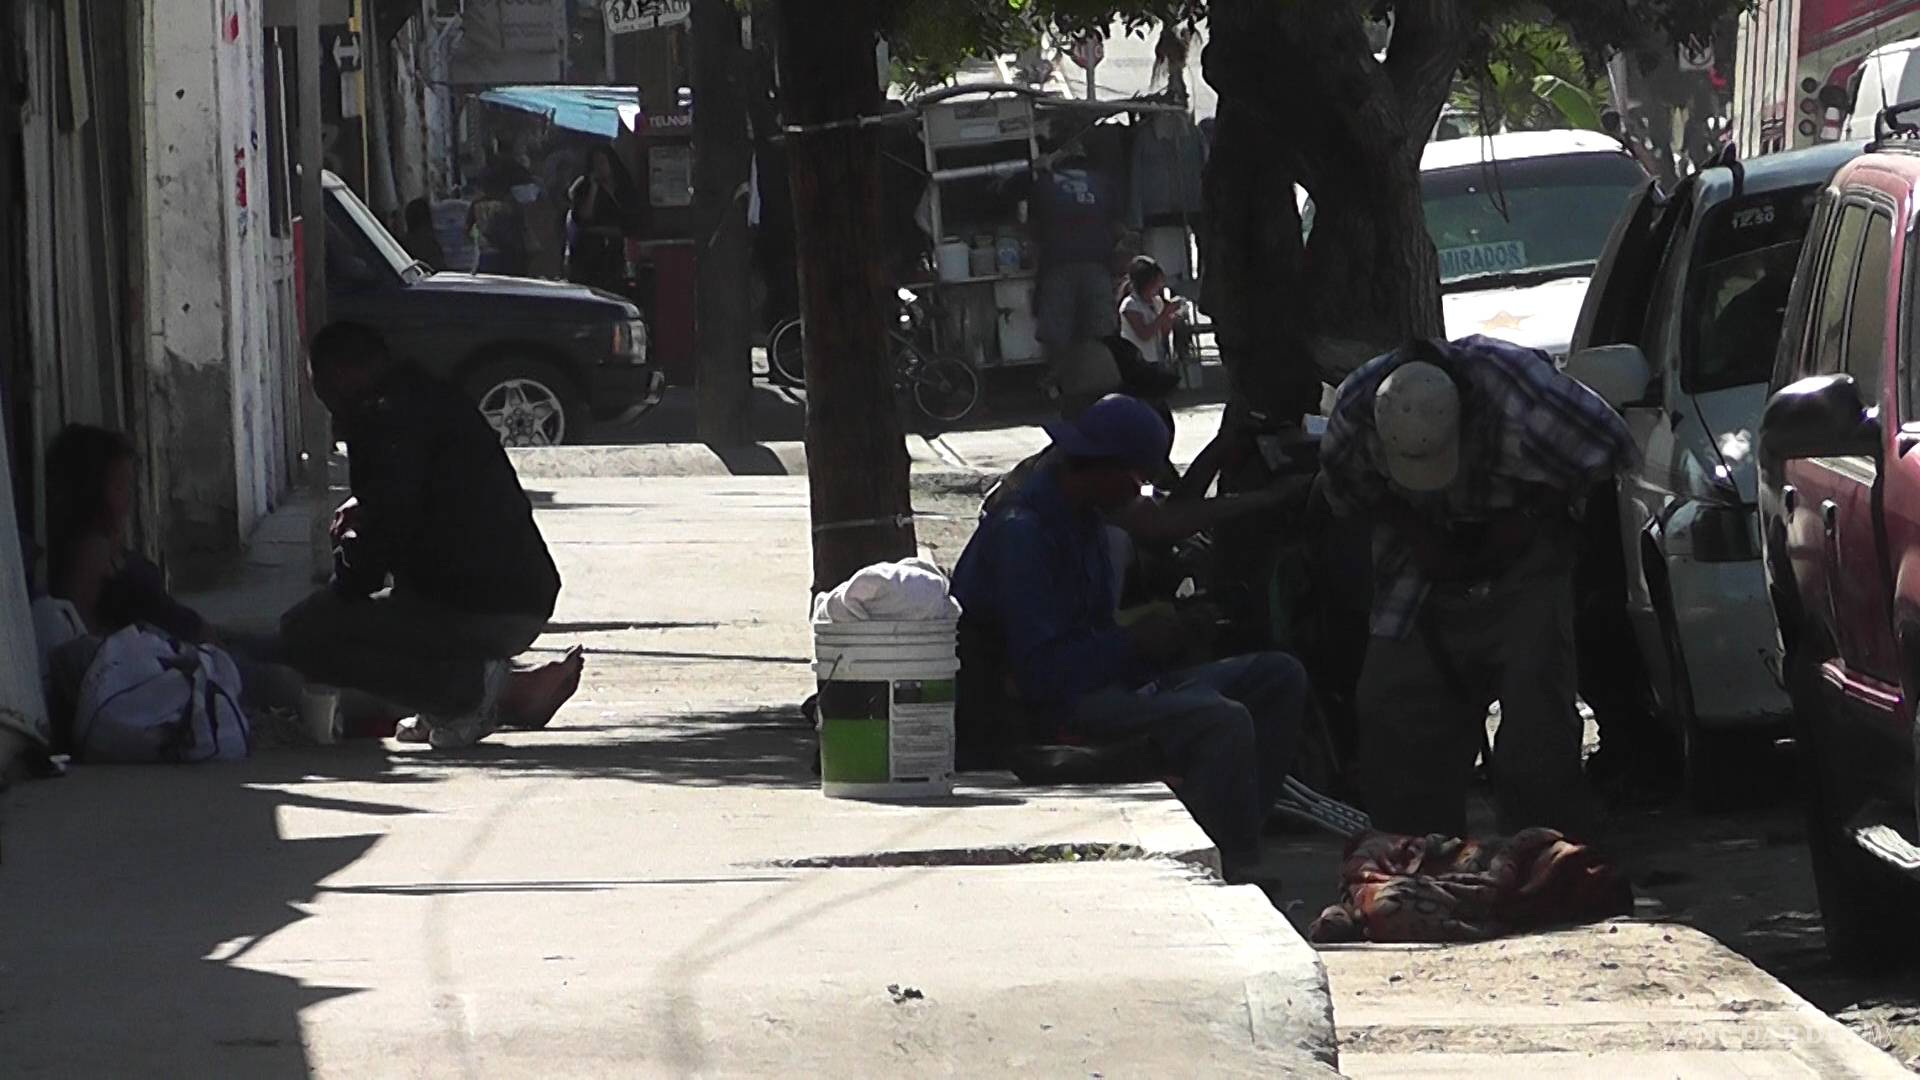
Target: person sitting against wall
column 94, row 566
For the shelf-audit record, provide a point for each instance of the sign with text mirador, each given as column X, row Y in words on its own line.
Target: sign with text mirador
column 627, row 16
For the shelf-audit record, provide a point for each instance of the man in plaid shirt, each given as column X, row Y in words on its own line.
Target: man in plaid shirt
column 1473, row 460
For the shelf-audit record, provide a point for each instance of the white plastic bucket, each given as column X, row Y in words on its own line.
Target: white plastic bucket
column 886, row 708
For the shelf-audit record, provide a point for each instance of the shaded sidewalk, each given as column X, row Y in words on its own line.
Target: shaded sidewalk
column 652, row 885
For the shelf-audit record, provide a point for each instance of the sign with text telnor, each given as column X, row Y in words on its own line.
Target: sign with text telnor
column 627, row 16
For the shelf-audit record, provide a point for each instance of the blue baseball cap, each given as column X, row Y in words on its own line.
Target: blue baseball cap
column 1116, row 428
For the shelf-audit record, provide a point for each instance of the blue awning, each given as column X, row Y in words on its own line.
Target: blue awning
column 600, row 111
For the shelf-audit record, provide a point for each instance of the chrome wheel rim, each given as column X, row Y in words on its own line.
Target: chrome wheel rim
column 525, row 412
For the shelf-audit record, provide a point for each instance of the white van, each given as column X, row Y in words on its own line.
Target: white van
column 1519, row 219
column 1888, row 76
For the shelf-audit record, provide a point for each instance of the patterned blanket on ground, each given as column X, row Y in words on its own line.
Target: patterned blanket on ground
column 1440, row 888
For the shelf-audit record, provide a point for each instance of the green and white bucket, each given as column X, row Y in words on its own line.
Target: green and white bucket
column 886, row 708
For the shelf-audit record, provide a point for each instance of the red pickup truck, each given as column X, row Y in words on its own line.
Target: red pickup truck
column 1840, row 529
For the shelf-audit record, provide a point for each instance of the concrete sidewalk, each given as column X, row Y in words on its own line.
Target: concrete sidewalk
column 652, row 886
column 1627, row 999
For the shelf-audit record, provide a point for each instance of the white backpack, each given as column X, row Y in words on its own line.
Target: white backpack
column 149, row 698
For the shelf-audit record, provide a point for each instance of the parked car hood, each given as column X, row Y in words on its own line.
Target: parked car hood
column 548, row 295
column 1537, row 316
column 1732, row 421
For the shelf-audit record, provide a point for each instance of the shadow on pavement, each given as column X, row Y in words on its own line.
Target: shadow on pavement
column 774, row 414
column 669, row 654
column 133, row 896
column 754, row 748
column 750, row 460
column 591, row 626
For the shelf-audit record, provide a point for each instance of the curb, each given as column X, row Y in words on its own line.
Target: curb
column 681, row 460
column 1621, row 998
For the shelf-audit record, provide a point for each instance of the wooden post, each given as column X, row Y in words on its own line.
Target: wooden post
column 723, row 161
column 856, row 450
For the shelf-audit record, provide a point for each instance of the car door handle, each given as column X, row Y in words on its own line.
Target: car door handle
column 1830, row 514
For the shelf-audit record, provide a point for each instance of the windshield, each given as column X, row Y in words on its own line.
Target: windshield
column 1526, row 216
column 1737, row 298
column 390, row 250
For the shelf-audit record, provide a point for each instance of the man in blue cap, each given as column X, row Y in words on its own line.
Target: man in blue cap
column 1039, row 577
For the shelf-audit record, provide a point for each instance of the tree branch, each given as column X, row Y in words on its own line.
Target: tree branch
column 1429, row 40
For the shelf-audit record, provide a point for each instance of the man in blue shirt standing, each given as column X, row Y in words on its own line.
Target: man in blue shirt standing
column 1040, row 574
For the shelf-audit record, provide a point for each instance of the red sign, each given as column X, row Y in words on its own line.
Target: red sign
column 1827, row 23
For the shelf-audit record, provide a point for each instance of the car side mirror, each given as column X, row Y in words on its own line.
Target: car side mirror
column 1620, row 374
column 1819, row 417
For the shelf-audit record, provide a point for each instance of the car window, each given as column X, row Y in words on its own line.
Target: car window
column 1830, row 318
column 1530, row 215
column 1867, row 317
column 1794, row 357
column 1737, row 299
column 351, row 261
column 1667, row 290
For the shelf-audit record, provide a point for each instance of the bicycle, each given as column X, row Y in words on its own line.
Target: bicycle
column 945, row 389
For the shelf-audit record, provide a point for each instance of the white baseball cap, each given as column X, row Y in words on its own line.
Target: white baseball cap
column 1416, row 410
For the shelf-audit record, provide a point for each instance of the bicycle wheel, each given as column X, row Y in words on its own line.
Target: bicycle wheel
column 786, row 353
column 945, row 389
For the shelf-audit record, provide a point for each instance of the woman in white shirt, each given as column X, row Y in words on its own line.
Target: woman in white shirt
column 1147, row 313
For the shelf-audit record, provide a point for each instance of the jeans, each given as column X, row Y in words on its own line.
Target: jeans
column 420, row 655
column 1421, row 727
column 1227, row 729
column 1078, row 301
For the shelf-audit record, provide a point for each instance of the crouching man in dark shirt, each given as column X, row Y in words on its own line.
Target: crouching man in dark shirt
column 440, row 575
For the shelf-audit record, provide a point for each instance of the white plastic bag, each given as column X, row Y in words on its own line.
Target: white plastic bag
column 149, row 698
column 912, row 590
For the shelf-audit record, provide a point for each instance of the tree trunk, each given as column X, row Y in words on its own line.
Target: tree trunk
column 723, row 159
column 1289, row 313
column 856, row 450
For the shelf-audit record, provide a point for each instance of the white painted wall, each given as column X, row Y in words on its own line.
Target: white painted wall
column 253, row 350
column 215, row 279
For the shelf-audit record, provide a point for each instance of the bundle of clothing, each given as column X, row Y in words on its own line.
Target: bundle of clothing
column 1426, row 889
column 912, row 590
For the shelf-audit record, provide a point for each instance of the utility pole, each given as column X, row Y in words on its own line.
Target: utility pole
column 856, row 447
column 723, row 162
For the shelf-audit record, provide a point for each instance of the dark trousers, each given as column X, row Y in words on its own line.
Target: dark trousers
column 1422, row 725
column 1228, row 730
column 418, row 654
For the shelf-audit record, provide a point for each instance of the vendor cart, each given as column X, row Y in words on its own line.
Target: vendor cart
column 981, row 142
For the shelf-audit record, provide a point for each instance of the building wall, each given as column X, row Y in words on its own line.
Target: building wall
column 408, row 130
column 217, row 348
column 254, row 350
